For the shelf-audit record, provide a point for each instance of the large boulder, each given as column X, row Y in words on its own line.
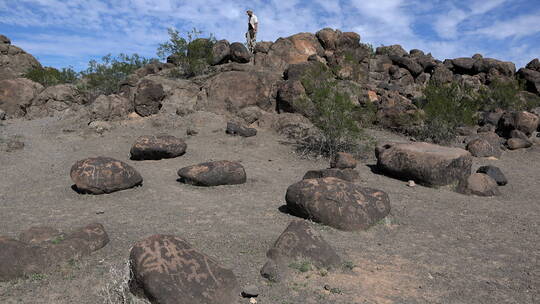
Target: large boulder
column 297, row 48
column 292, row 98
column 111, row 107
column 328, row 38
column 35, row 252
column 17, row 94
column 324, row 200
column 151, row 147
column 391, row 50
column 518, row 143
column 408, row 63
column 484, row 65
column 523, row 121
column 168, row 270
column 221, row 52
column 270, row 62
column 213, row 174
column 299, row 243
column 534, row 65
column 148, row 98
column 481, row 185
column 55, row 101
column 442, row 74
column 14, row 62
column 425, row 163
column 480, row 147
column 234, row 90
column 4, row 40
column 100, row 175
column 532, row 79
column 239, row 53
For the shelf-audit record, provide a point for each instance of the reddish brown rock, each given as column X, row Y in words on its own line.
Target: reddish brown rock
column 343, row 160
column 111, row 107
column 297, row 48
column 152, row 147
column 168, row 270
column 325, row 200
column 425, row 163
column 101, row 175
column 213, row 174
column 480, row 184
column 16, row 95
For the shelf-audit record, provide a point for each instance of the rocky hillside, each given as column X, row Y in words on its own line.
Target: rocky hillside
column 264, row 83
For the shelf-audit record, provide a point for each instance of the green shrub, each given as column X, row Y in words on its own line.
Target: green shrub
column 105, row 77
column 505, row 94
column 192, row 53
column 49, row 76
column 331, row 111
column 446, row 107
column 369, row 48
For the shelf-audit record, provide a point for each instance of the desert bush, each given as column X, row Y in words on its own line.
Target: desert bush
column 331, row 112
column 105, row 77
column 369, row 48
column 505, row 94
column 192, row 53
column 446, row 107
column 49, row 76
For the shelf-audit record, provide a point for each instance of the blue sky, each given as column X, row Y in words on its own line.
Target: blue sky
column 64, row 33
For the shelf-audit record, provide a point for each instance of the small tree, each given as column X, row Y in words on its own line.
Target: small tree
column 105, row 77
column 505, row 94
column 49, row 76
column 192, row 53
column 446, row 106
column 331, row 111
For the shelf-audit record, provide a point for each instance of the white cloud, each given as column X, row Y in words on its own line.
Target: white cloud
column 516, row 27
column 82, row 28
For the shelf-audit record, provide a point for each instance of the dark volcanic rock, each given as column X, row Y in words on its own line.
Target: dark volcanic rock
column 103, row 175
column 298, row 243
column 343, row 160
column 19, row 259
column 213, row 174
column 495, row 173
column 349, row 175
column 324, row 200
column 480, row 147
column 168, row 270
column 148, row 98
column 239, row 53
column 427, row 164
column 150, row 147
column 221, row 52
column 234, row 128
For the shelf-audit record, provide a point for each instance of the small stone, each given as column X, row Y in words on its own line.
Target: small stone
column 411, row 183
column 100, row 127
column 494, row 173
column 2, row 114
column 252, row 301
column 191, row 132
column 250, row 291
column 100, row 212
column 518, row 143
column 237, row 129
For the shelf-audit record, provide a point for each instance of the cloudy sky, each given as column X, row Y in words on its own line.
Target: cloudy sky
column 64, row 33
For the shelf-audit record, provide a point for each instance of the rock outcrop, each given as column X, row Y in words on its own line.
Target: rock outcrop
column 14, row 61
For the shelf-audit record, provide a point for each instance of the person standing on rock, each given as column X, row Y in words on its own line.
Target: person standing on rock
column 253, row 27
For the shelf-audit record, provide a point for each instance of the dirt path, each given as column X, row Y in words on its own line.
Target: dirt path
column 436, row 247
